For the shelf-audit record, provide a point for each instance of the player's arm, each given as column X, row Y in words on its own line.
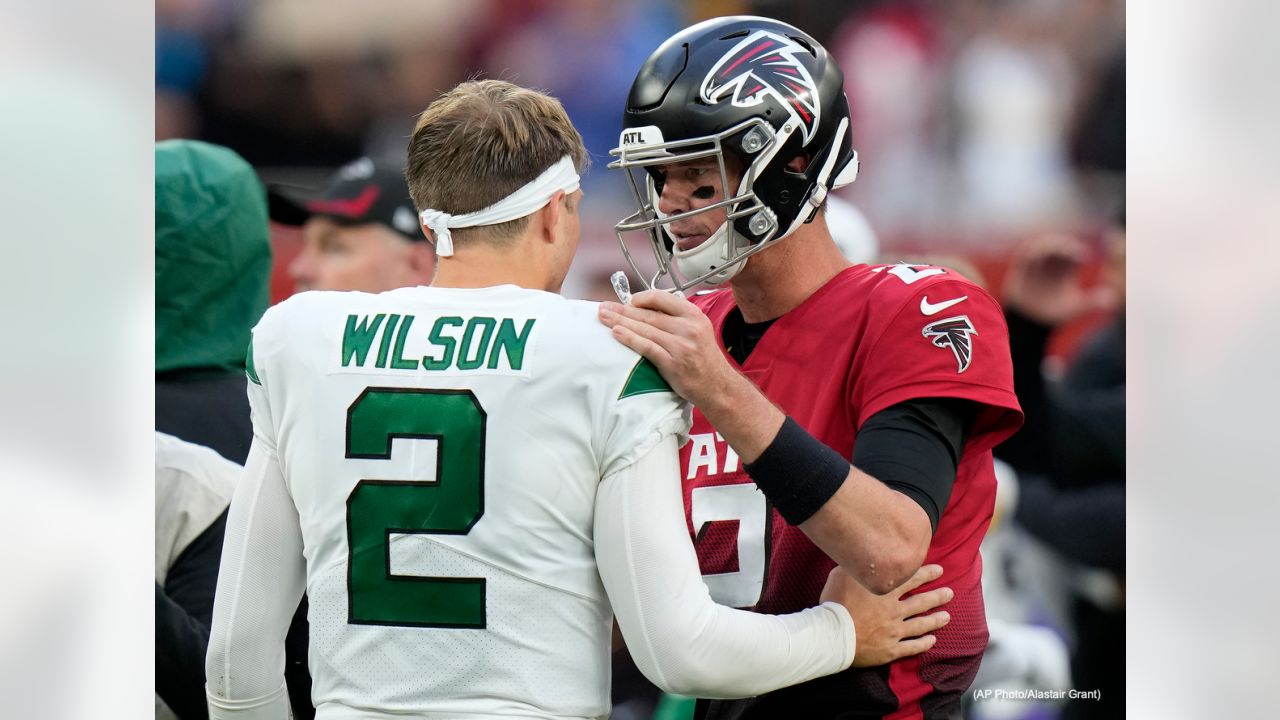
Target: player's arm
column 911, row 450
column 687, row 644
column 878, row 534
column 260, row 583
column 682, row 641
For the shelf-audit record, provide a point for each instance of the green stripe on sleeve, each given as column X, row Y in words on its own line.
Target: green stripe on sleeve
column 644, row 378
column 249, row 369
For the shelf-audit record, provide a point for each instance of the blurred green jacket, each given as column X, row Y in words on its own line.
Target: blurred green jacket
column 213, row 256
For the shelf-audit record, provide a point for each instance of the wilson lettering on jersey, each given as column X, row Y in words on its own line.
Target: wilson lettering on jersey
column 449, row 343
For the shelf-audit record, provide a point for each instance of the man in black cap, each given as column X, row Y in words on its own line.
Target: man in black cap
column 361, row 233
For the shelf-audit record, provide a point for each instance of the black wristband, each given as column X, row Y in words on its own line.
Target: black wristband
column 797, row 472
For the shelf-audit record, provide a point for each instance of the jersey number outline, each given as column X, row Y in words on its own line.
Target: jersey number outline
column 451, row 504
column 745, row 503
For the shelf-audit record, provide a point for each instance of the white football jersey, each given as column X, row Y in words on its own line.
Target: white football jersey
column 443, row 448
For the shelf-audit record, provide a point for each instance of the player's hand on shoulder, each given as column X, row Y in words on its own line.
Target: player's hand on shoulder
column 887, row 626
column 675, row 336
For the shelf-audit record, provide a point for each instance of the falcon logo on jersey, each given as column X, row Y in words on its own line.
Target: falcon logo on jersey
column 954, row 333
column 765, row 64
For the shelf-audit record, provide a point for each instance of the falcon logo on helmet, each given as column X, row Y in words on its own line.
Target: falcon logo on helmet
column 762, row 64
column 954, row 333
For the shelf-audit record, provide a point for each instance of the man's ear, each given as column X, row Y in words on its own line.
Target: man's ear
column 552, row 213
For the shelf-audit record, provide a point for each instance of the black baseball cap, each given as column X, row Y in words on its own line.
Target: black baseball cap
column 362, row 191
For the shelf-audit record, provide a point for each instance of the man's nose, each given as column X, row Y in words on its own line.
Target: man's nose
column 673, row 200
column 303, row 268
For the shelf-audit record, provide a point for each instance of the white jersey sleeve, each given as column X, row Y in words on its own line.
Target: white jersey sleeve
column 262, row 575
column 260, row 583
column 640, row 413
column 680, row 639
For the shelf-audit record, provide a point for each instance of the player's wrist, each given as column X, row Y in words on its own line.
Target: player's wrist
column 724, row 392
column 797, row 472
column 747, row 419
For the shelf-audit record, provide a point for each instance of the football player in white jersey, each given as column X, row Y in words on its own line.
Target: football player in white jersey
column 471, row 479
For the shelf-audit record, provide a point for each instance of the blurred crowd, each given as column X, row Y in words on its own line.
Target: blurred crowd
column 978, row 122
column 991, row 136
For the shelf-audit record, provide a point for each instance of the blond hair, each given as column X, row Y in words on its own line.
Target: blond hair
column 482, row 141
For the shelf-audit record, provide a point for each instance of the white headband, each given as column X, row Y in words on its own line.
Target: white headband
column 533, row 196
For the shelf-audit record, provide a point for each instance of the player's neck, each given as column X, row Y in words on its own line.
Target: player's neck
column 778, row 279
column 481, row 265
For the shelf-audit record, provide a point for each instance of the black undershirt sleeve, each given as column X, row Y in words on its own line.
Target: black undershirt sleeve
column 914, row 447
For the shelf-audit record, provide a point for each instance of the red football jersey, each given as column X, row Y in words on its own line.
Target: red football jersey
column 872, row 337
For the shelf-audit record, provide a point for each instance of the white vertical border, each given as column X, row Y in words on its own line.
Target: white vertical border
column 76, row 450
column 1204, row 229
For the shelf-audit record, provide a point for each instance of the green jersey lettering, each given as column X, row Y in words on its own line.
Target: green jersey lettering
column 387, row 332
column 510, row 342
column 398, row 362
column 357, row 339
column 438, row 338
column 477, row 357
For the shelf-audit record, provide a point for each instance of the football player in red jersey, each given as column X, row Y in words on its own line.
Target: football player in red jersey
column 845, row 413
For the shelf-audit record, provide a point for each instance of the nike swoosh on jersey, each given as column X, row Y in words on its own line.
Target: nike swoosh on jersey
column 928, row 308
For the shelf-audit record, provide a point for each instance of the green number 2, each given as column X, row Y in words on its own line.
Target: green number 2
column 448, row 505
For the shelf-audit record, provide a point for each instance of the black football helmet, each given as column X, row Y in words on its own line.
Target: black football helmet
column 752, row 86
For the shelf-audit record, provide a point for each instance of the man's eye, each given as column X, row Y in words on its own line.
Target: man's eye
column 333, row 248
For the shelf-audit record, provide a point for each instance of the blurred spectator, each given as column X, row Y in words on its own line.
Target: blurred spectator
column 1042, row 291
column 892, row 59
column 1099, row 139
column 212, row 264
column 316, row 82
column 182, row 59
column 361, row 233
column 586, row 53
column 964, row 112
column 1071, row 460
column 193, row 489
column 1013, row 92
